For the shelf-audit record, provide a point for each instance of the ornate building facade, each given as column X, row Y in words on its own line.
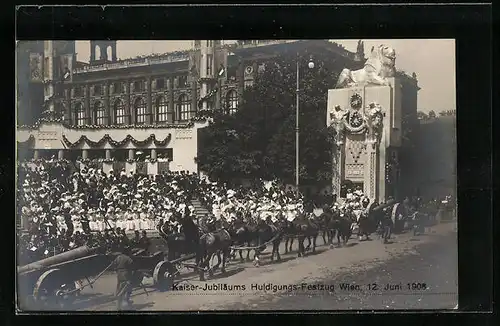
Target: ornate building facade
column 145, row 109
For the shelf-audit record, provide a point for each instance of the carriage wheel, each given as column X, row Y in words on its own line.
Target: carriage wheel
column 46, row 288
column 163, row 275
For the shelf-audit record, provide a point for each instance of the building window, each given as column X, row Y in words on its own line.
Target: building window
column 184, row 108
column 138, row 86
column 117, row 88
column 160, row 83
column 162, row 109
column 140, row 111
column 209, row 64
column 97, row 90
column 99, row 114
column 182, row 81
column 121, row 116
column 77, row 91
column 232, row 102
column 80, row 116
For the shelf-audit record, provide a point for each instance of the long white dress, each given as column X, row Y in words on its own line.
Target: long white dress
column 136, row 221
column 93, row 225
column 60, row 222
column 100, row 225
column 131, row 225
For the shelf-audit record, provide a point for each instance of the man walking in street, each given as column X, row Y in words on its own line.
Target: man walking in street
column 123, row 265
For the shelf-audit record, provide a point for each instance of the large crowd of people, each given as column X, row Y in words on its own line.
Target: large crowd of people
column 61, row 207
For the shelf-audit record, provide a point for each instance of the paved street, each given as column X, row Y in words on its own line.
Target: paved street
column 349, row 277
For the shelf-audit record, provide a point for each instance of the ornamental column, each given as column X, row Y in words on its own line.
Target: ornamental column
column 171, row 116
column 131, row 154
column 36, row 154
column 128, row 107
column 149, row 110
column 60, row 154
column 85, row 154
column 338, row 168
column 67, row 112
column 88, row 115
column 153, row 153
column 107, row 104
column 108, row 154
column 194, row 96
column 370, row 182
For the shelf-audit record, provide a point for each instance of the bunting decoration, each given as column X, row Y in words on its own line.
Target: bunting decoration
column 114, row 143
column 97, row 127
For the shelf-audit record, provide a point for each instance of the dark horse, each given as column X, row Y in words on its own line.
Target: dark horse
column 244, row 235
column 339, row 225
column 368, row 221
column 217, row 240
column 267, row 232
column 182, row 243
column 377, row 218
column 305, row 228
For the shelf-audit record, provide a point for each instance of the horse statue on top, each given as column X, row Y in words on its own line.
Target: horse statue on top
column 380, row 65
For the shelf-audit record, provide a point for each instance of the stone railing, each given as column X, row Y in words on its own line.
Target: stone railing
column 146, row 61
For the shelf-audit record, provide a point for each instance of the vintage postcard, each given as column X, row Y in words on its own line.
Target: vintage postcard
column 236, row 175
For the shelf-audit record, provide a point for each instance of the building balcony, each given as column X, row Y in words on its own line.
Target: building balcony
column 130, row 144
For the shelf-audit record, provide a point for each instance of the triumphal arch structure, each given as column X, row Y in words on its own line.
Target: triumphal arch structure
column 364, row 113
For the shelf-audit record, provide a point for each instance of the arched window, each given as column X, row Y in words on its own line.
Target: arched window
column 99, row 114
column 162, row 110
column 232, row 102
column 140, row 111
column 98, row 54
column 184, row 108
column 121, row 116
column 80, row 116
column 109, row 52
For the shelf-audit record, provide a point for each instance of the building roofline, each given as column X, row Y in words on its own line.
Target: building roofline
column 152, row 59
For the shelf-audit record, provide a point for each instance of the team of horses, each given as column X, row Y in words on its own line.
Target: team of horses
column 222, row 239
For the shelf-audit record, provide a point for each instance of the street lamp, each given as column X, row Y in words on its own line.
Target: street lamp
column 310, row 65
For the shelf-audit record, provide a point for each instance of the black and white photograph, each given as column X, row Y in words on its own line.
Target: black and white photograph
column 217, row 175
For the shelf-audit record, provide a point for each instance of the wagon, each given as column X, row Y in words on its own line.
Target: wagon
column 52, row 280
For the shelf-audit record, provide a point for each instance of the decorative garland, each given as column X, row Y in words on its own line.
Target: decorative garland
column 37, row 124
column 97, row 160
column 203, row 115
column 114, row 143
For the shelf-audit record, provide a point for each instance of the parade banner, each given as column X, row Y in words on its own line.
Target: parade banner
column 221, row 63
column 36, row 67
column 66, row 67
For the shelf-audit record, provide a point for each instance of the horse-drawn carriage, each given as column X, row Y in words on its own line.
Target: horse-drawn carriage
column 52, row 280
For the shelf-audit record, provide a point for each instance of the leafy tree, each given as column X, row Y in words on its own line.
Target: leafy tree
column 262, row 138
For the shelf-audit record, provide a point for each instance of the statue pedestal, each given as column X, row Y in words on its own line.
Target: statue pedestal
column 367, row 120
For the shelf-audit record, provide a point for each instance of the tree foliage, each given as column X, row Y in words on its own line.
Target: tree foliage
column 259, row 140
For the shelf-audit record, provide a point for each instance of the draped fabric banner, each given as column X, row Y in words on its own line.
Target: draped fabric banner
column 114, row 143
column 36, row 67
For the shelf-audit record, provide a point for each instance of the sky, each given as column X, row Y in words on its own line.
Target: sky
column 433, row 60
